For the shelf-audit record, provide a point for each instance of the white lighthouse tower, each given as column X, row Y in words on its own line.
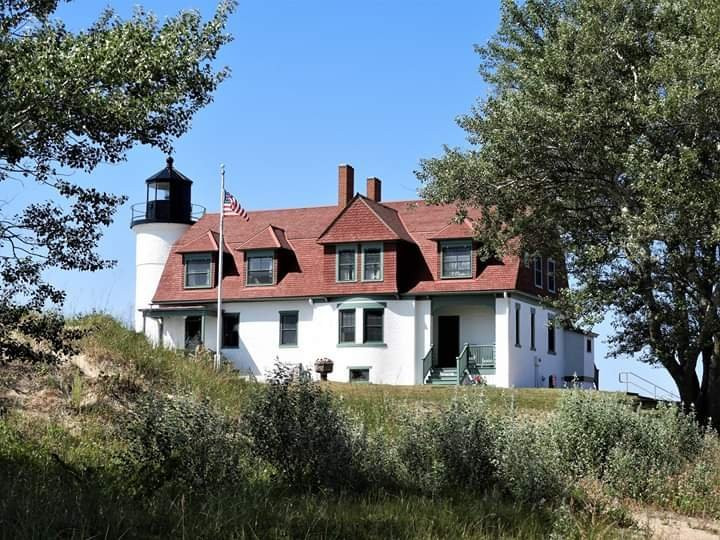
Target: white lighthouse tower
column 158, row 223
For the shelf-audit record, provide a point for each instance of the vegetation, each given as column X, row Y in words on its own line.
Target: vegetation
column 131, row 441
column 599, row 140
column 71, row 101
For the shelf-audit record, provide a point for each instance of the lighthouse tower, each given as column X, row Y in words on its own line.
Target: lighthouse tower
column 158, row 223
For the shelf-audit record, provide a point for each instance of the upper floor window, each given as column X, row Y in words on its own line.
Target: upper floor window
column 260, row 268
column 456, row 260
column 551, row 275
column 538, row 270
column 372, row 268
column 346, row 258
column 198, row 270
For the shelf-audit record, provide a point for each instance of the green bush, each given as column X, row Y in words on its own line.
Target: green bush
column 298, row 428
column 180, row 442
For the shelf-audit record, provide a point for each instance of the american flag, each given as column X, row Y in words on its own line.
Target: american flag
column 232, row 207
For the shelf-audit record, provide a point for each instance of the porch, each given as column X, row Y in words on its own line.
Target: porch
column 463, row 340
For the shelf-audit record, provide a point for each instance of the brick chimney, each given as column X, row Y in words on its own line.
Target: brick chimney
column 374, row 188
column 346, row 184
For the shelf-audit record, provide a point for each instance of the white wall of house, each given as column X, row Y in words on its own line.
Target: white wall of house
column 423, row 336
column 153, row 242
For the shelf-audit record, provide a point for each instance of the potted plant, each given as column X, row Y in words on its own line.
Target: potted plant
column 323, row 366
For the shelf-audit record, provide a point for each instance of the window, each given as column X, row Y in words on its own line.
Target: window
column 198, row 271
column 588, row 346
column 193, row 331
column 532, row 329
column 159, row 191
column 551, row 275
column 230, row 330
column 161, row 332
column 551, row 334
column 373, row 326
column 456, row 260
column 372, row 263
column 346, row 263
column 260, row 269
column 347, row 326
column 288, row 328
column 517, row 325
column 537, row 266
column 359, row 375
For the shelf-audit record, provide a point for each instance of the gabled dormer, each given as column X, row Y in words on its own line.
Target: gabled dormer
column 457, row 258
column 200, row 261
column 265, row 256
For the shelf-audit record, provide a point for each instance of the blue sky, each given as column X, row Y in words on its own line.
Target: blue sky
column 376, row 84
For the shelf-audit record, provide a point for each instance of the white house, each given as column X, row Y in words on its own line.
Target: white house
column 391, row 292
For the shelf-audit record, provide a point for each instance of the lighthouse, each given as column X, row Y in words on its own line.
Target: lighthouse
column 158, row 223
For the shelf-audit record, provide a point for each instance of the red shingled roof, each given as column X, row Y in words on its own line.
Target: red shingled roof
column 464, row 229
column 202, row 244
column 408, row 230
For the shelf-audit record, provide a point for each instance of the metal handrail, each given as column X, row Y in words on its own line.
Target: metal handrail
column 624, row 378
column 427, row 363
column 138, row 212
column 462, row 363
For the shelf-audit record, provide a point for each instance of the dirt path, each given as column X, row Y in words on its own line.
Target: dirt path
column 670, row 526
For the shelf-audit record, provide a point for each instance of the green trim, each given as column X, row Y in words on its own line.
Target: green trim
column 548, row 274
column 280, row 329
column 340, row 327
column 249, row 254
column 198, row 257
column 363, row 248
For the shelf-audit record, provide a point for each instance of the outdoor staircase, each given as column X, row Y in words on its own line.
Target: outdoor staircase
column 446, row 376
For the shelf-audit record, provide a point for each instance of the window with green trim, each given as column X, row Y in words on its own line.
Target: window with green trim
column 373, row 325
column 346, row 260
column 198, row 270
column 260, row 268
column 456, row 260
column 372, row 262
column 347, row 326
column 288, row 328
column 359, row 375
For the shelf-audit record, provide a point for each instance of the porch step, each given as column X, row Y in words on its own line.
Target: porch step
column 443, row 376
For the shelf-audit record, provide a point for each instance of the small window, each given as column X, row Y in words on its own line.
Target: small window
column 372, row 263
column 517, row 325
column 198, row 271
column 288, row 328
column 456, row 261
column 359, row 375
column 588, row 345
column 193, row 331
column 537, row 267
column 230, row 329
column 532, row 329
column 347, row 326
column 346, row 263
column 551, row 334
column 260, row 269
column 159, row 191
column 551, row 275
column 373, row 326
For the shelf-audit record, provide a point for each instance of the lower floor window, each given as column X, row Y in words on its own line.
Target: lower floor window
column 347, row 326
column 288, row 328
column 193, row 331
column 230, row 329
column 359, row 375
column 373, row 326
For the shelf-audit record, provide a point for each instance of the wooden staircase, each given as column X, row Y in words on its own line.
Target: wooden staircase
column 443, row 376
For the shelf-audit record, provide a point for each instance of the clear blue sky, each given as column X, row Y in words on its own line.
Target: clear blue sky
column 376, row 84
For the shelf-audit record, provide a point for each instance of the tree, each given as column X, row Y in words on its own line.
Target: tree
column 72, row 101
column 600, row 138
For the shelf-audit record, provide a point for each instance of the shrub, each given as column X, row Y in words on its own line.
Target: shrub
column 298, row 428
column 180, row 442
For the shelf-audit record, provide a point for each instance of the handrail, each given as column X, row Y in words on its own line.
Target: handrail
column 627, row 382
column 462, row 363
column 139, row 213
column 427, row 364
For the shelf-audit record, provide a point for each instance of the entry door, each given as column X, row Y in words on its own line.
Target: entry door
column 449, row 340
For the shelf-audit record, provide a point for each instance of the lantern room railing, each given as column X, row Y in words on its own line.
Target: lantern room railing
column 160, row 211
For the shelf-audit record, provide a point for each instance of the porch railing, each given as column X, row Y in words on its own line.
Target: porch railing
column 475, row 360
column 428, row 364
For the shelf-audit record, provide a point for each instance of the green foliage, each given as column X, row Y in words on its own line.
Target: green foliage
column 179, row 442
column 598, row 140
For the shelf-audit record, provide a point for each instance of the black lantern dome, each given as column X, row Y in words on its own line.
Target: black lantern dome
column 168, row 199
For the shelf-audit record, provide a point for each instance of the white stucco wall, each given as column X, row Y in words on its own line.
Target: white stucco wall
column 153, row 242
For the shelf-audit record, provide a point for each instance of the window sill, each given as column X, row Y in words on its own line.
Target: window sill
column 288, row 346
column 371, row 280
column 198, row 287
column 469, row 276
column 346, row 281
column 260, row 284
column 362, row 344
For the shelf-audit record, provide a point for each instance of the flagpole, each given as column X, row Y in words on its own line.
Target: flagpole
column 218, row 341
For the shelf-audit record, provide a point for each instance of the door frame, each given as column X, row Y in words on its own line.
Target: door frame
column 442, row 340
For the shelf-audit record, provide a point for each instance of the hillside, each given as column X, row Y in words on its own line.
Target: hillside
column 127, row 440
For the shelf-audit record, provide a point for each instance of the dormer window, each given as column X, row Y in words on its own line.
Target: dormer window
column 372, row 267
column 551, row 275
column 456, row 260
column 538, row 271
column 198, row 270
column 260, row 268
column 346, row 260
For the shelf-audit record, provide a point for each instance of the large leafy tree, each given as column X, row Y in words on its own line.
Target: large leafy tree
column 70, row 101
column 600, row 137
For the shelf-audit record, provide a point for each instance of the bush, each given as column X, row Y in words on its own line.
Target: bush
column 299, row 429
column 182, row 443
